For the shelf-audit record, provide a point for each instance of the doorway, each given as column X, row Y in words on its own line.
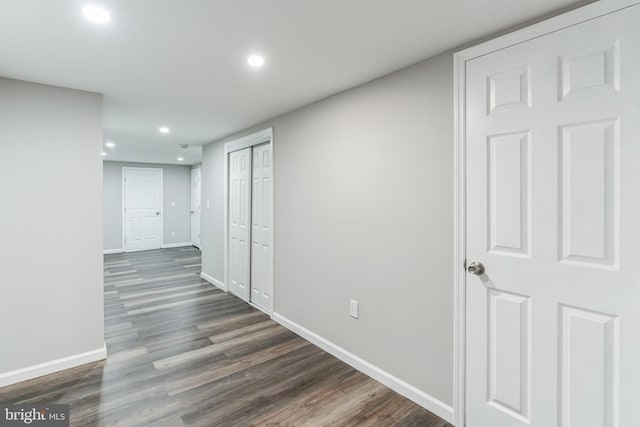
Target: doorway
column 142, row 208
column 249, row 219
column 547, row 320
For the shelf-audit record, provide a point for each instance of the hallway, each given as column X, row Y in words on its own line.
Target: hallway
column 182, row 352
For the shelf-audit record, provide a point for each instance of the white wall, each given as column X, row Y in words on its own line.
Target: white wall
column 176, row 188
column 51, row 284
column 363, row 210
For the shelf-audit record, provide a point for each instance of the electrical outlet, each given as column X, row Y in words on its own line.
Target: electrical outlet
column 173, row 234
column 353, row 308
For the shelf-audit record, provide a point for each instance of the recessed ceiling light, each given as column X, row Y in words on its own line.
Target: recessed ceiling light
column 180, row 159
column 255, row 61
column 164, row 129
column 96, row 14
column 104, row 154
column 110, row 144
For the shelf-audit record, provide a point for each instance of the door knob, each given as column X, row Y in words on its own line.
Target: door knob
column 191, row 212
column 476, row 268
column 157, row 213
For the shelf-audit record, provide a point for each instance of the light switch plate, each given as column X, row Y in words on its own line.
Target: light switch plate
column 353, row 308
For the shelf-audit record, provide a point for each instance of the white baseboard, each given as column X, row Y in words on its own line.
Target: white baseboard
column 213, row 281
column 113, row 251
column 30, row 372
column 423, row 399
column 175, row 245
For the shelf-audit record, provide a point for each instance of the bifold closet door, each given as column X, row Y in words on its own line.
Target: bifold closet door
column 239, row 220
column 261, row 228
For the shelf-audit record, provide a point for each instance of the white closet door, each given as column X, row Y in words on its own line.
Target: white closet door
column 196, row 188
column 239, row 222
column 553, row 202
column 143, row 200
column 261, row 228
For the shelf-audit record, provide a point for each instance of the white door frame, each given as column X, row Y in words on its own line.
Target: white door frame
column 200, row 212
column 124, row 189
column 260, row 137
column 573, row 17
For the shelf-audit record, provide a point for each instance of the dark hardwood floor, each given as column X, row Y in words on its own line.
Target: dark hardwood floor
column 182, row 352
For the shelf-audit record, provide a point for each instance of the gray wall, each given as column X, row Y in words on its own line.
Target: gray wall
column 363, row 210
column 176, row 188
column 212, row 212
column 51, row 285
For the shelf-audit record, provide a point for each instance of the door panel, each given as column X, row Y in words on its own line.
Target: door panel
column 239, row 223
column 588, row 192
column 509, row 371
column 589, row 368
column 196, row 189
column 509, row 193
column 553, row 195
column 143, row 209
column 261, row 228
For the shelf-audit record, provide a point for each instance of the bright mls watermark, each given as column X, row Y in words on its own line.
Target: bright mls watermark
column 34, row 415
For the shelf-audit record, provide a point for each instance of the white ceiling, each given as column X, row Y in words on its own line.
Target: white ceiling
column 182, row 63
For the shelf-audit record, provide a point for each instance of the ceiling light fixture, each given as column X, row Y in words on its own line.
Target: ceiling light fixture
column 96, row 14
column 255, row 61
column 164, row 129
column 110, row 144
column 180, row 159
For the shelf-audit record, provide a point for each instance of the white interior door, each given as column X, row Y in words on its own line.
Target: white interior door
column 196, row 189
column 142, row 209
column 553, row 203
column 261, row 228
column 239, row 220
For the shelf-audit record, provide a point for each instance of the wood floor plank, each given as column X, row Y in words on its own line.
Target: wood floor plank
column 217, row 347
column 184, row 353
column 180, row 385
column 235, row 333
column 189, row 301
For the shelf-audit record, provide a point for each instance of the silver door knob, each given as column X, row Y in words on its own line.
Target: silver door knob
column 476, row 268
column 157, row 213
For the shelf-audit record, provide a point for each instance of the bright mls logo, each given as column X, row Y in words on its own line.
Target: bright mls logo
column 34, row 415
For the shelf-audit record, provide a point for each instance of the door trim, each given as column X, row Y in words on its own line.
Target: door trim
column 200, row 214
column 124, row 220
column 260, row 137
column 585, row 13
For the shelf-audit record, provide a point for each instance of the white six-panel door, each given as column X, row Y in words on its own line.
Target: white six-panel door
column 261, row 228
column 142, row 209
column 239, row 223
column 553, row 213
column 196, row 188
